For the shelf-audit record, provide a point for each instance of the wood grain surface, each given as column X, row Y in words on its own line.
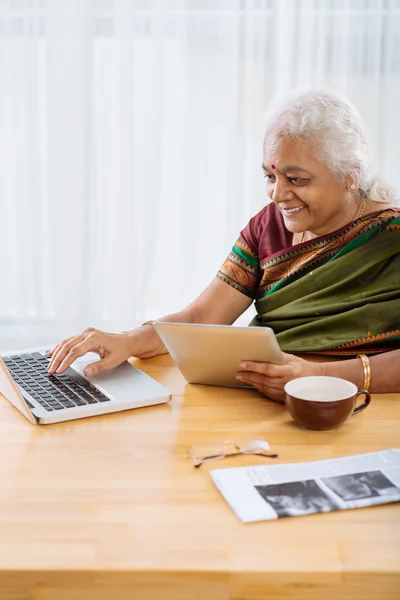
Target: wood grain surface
column 110, row 508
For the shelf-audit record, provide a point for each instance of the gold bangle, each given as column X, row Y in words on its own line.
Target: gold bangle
column 367, row 370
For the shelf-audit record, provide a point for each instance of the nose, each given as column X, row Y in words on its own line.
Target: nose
column 280, row 190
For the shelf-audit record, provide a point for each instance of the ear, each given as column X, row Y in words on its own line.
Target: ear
column 352, row 182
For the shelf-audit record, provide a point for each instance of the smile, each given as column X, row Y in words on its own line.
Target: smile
column 291, row 211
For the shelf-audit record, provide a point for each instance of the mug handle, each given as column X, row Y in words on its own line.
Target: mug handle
column 363, row 404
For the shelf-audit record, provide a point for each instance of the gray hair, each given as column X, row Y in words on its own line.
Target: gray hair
column 339, row 135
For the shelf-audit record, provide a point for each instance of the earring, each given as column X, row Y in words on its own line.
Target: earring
column 353, row 186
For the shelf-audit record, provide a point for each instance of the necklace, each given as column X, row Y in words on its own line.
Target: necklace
column 359, row 217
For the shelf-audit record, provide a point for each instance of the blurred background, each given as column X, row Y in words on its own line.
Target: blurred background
column 131, row 141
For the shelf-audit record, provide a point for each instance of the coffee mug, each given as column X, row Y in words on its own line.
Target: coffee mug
column 323, row 402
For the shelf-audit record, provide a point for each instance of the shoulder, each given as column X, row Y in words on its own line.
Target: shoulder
column 373, row 207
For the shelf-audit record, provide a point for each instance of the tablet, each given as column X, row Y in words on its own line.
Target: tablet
column 211, row 354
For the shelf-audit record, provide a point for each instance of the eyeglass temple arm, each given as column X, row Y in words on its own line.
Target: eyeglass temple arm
column 206, row 458
column 211, row 457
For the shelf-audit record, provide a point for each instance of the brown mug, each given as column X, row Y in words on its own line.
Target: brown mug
column 323, row 402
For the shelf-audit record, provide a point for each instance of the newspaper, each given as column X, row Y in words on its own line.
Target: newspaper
column 288, row 490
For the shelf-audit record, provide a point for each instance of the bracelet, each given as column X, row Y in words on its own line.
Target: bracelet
column 367, row 370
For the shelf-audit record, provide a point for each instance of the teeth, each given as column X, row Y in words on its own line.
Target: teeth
column 289, row 211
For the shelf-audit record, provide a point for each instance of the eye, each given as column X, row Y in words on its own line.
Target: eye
column 270, row 178
column 298, row 180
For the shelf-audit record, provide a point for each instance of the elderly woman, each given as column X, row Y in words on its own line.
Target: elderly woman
column 321, row 261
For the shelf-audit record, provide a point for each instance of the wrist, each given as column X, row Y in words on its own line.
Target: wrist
column 315, row 369
column 144, row 341
column 349, row 369
column 132, row 340
column 323, row 369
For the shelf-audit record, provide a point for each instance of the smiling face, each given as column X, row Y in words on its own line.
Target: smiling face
column 306, row 192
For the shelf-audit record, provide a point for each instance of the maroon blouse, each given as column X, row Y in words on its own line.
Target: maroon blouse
column 264, row 236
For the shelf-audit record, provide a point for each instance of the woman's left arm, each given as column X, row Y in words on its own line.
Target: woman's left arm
column 270, row 379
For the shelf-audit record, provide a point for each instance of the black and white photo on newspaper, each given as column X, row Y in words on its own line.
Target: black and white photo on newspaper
column 287, row 490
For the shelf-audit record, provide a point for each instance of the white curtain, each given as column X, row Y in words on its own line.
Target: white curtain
column 131, row 135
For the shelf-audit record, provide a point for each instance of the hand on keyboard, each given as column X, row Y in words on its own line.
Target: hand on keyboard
column 112, row 348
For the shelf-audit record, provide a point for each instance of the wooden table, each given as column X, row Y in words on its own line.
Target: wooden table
column 109, row 508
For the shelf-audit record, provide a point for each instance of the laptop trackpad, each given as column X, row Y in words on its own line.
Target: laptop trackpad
column 124, row 382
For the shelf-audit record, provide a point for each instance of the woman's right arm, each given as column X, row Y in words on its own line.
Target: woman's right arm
column 219, row 303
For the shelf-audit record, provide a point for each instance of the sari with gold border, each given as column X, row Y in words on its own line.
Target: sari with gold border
column 336, row 294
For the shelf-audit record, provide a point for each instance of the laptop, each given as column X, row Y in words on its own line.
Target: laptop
column 211, row 354
column 45, row 399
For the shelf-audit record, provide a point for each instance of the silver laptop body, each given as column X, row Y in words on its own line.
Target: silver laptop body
column 45, row 399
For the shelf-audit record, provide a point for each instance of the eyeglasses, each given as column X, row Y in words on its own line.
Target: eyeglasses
column 203, row 452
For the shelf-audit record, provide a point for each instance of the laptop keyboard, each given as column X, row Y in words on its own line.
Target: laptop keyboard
column 52, row 392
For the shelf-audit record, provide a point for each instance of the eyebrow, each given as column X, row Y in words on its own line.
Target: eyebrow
column 288, row 168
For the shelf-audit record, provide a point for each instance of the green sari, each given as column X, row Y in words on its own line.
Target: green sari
column 336, row 294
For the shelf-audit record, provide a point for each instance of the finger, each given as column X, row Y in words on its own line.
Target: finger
column 99, row 366
column 77, row 350
column 264, row 368
column 258, row 379
column 277, row 395
column 54, row 352
column 62, row 352
column 57, row 346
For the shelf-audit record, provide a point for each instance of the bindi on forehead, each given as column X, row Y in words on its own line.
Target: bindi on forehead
column 272, row 166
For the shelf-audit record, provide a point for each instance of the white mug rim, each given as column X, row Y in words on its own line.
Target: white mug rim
column 290, row 387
